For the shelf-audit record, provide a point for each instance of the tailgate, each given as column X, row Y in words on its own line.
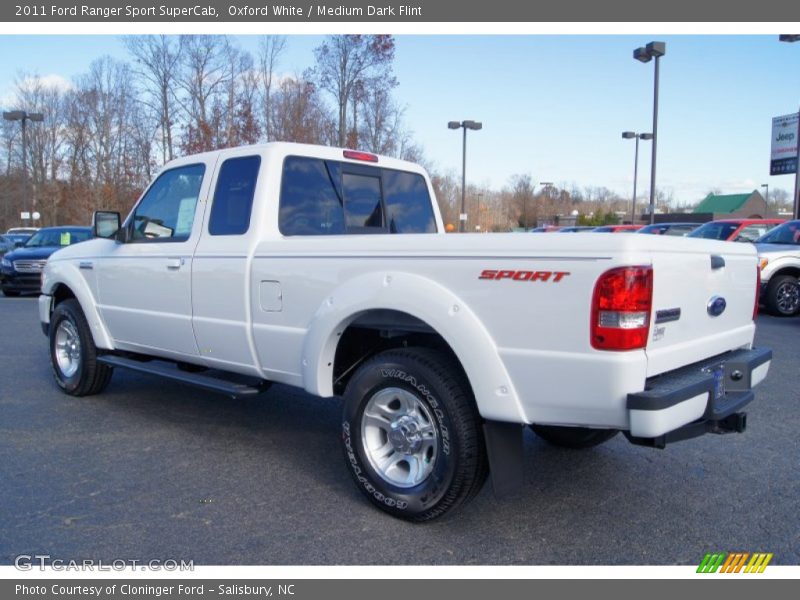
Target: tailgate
column 702, row 304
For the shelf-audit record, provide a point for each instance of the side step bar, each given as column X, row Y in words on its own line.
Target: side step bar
column 214, row 384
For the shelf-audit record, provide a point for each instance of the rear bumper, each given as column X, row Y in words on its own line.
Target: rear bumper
column 700, row 398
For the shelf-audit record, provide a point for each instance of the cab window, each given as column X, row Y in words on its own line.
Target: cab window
column 233, row 198
column 166, row 213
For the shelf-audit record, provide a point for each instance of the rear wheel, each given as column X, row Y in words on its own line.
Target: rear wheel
column 73, row 355
column 412, row 435
column 783, row 296
column 573, row 437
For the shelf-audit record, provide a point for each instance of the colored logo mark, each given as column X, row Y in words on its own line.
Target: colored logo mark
column 734, row 562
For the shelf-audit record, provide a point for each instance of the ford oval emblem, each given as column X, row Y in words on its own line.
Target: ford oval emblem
column 716, row 306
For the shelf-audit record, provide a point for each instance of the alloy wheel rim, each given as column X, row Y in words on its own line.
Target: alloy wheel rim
column 788, row 295
column 68, row 348
column 399, row 436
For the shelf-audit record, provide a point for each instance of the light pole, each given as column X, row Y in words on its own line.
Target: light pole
column 475, row 125
column 646, row 54
column 796, row 203
column 21, row 115
column 546, row 185
column 766, row 198
column 628, row 135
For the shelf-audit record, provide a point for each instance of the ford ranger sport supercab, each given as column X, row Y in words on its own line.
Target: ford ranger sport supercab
column 329, row 270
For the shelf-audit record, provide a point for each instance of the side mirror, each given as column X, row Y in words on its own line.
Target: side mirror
column 105, row 224
column 19, row 244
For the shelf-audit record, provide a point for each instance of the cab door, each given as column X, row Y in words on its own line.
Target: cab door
column 145, row 284
column 220, row 270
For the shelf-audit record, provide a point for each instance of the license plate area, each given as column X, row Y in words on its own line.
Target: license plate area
column 718, row 373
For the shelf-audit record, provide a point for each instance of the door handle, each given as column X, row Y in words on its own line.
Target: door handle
column 174, row 263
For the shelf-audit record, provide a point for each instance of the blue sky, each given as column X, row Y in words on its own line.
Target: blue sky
column 553, row 106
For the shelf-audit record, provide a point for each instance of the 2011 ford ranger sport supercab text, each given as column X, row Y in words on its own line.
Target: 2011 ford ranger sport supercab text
column 329, row 270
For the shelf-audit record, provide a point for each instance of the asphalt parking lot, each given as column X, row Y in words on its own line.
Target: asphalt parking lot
column 155, row 470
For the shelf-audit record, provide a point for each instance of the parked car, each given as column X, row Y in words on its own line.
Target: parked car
column 576, row 229
column 735, row 230
column 617, row 228
column 676, row 229
column 29, row 231
column 544, row 229
column 21, row 269
column 779, row 259
column 6, row 244
column 268, row 274
column 18, row 239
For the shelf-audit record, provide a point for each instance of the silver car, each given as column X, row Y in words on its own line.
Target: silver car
column 779, row 259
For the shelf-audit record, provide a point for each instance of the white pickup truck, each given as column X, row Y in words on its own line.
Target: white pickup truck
column 329, row 270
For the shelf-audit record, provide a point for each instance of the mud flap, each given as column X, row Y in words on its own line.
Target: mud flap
column 504, row 448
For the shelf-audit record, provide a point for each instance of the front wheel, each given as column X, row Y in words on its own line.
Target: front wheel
column 412, row 435
column 573, row 437
column 783, row 296
column 73, row 355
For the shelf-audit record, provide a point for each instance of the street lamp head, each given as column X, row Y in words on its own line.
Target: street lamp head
column 14, row 115
column 454, row 125
column 545, row 183
column 646, row 136
column 35, row 117
column 641, row 55
column 789, row 37
column 656, row 49
column 628, row 135
column 473, row 125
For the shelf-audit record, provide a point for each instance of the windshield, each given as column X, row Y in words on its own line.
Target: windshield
column 46, row 238
column 788, row 233
column 715, row 231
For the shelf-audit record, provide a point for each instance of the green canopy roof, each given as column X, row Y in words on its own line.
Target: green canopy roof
column 722, row 203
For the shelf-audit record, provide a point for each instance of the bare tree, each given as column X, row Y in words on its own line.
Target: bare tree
column 270, row 49
column 205, row 60
column 45, row 141
column 299, row 114
column 109, row 154
column 157, row 63
column 344, row 63
column 522, row 197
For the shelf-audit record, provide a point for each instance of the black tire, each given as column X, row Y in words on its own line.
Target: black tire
column 90, row 377
column 436, row 384
column 11, row 293
column 573, row 437
column 783, row 296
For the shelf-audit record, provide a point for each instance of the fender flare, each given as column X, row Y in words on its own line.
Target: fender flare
column 429, row 302
column 64, row 272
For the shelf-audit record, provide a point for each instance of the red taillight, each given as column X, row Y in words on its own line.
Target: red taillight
column 355, row 155
column 621, row 305
column 758, row 291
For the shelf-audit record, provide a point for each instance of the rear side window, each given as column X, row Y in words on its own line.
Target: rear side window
column 310, row 202
column 408, row 203
column 233, row 198
column 320, row 197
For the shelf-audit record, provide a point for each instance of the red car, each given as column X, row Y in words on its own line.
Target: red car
column 735, row 230
column 617, row 228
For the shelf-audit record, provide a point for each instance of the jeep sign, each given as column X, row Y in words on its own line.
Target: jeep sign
column 784, row 145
